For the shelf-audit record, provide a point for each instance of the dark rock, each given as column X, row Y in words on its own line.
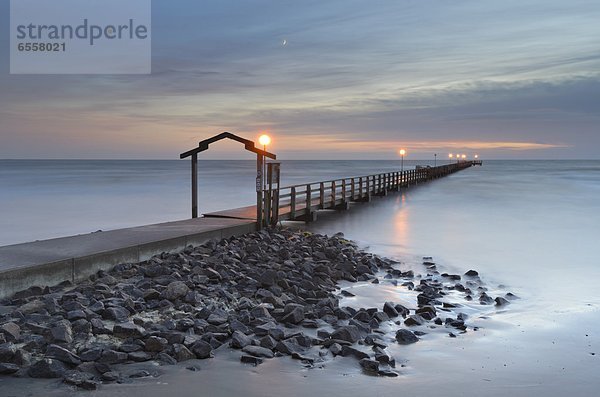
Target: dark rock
column 387, row 373
column 139, row 356
column 406, row 337
column 369, row 365
column 240, row 340
column 7, row 352
column 413, row 320
column 294, row 314
column 471, row 273
column 500, row 301
column 349, row 333
column 287, row 347
column 99, row 328
column 268, row 342
column 216, row 319
column 110, row 356
column 47, row 368
column 165, row 359
column 8, row 368
column 11, row 331
column 390, row 310
column 62, row 354
column 251, row 360
column 258, row 351
column 62, row 332
column 155, row 344
column 80, row 379
column 175, row 290
column 351, row 351
column 75, row 315
column 92, row 354
column 182, row 353
column 202, row 349
column 119, row 314
column 128, row 330
column 347, row 293
column 110, row 376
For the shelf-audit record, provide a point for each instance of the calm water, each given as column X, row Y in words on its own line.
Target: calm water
column 532, row 226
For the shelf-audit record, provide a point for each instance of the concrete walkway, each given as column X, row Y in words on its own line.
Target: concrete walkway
column 74, row 258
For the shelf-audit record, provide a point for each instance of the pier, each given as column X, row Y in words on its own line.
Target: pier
column 75, row 258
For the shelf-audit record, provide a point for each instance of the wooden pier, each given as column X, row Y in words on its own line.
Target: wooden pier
column 301, row 202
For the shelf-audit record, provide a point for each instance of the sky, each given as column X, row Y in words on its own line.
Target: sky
column 329, row 79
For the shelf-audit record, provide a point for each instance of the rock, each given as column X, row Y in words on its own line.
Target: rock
column 110, row 356
column 251, row 360
column 99, row 328
column 240, row 340
column 268, row 278
column 8, row 368
column 202, row 349
column 110, row 376
column 175, row 290
column 350, row 351
column 62, row 354
column 426, row 312
column 335, row 349
column 268, row 342
column 406, row 337
column 75, row 315
column 11, row 331
column 369, row 365
column 92, row 354
column 119, row 314
column 471, row 273
column 258, row 351
column 348, row 333
column 347, row 293
column 216, row 319
column 182, row 353
column 128, row 330
column 47, row 368
column 155, row 344
column 287, row 347
column 413, row 320
column 62, row 332
column 387, row 373
column 500, row 301
column 390, row 310
column 485, row 299
column 80, row 379
column 32, row 307
column 139, row 356
column 7, row 352
column 294, row 316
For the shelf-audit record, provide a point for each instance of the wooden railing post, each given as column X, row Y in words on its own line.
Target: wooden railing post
column 293, row 202
column 333, row 187
column 360, row 188
column 307, row 210
column 343, row 190
column 352, row 189
column 322, row 195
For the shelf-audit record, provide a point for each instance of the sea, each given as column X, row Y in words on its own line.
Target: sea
column 528, row 227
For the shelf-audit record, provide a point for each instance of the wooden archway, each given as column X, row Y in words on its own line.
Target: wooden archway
column 248, row 145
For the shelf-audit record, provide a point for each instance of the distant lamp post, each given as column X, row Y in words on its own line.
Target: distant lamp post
column 476, row 156
column 402, row 153
column 450, row 156
column 464, row 156
column 264, row 140
column 435, row 159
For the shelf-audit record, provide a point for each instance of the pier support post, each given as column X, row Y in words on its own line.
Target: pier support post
column 194, row 186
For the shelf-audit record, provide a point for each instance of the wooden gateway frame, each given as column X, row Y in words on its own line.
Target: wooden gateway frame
column 248, row 145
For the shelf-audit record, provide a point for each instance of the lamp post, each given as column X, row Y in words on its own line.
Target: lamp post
column 435, row 160
column 264, row 140
column 450, row 156
column 464, row 156
column 402, row 153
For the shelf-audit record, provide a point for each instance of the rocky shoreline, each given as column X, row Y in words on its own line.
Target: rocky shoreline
column 270, row 293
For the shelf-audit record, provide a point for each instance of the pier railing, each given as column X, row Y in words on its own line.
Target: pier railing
column 300, row 202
